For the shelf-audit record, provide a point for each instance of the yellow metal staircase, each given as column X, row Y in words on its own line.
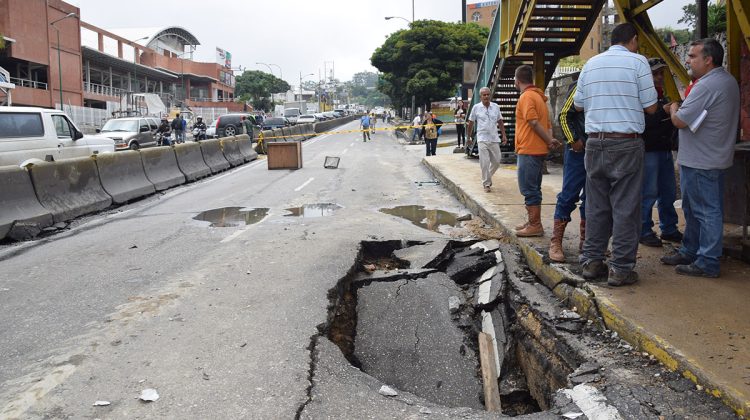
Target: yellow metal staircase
column 535, row 32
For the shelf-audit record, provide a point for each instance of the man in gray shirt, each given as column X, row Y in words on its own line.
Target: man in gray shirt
column 708, row 121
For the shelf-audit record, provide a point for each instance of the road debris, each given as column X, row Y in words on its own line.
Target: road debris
column 149, row 395
column 387, row 391
column 101, row 403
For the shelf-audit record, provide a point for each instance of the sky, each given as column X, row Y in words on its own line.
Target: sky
column 299, row 36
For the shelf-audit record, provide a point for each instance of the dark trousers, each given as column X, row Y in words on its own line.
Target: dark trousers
column 573, row 186
column 431, row 146
column 461, row 133
column 614, row 177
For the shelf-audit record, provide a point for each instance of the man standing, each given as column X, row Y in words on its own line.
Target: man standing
column 416, row 124
column 658, row 168
column 614, row 89
column 460, row 119
column 488, row 119
column 574, row 176
column 533, row 142
column 364, row 125
column 708, row 121
column 177, row 128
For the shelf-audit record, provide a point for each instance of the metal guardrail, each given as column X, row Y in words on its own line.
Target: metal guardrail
column 28, row 83
column 199, row 99
column 491, row 51
column 102, row 89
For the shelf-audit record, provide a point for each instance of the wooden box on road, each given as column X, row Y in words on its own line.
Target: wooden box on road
column 284, row 155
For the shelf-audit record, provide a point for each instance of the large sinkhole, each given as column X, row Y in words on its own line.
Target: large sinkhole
column 411, row 312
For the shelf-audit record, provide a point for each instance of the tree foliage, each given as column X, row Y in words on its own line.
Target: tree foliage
column 717, row 17
column 427, row 60
column 682, row 36
column 257, row 87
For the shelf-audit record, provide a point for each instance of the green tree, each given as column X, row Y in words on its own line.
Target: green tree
column 682, row 36
column 717, row 17
column 427, row 60
column 257, row 87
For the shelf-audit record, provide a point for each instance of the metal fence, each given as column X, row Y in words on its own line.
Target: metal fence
column 89, row 119
column 209, row 114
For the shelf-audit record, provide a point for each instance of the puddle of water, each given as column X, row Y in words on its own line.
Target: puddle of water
column 429, row 219
column 232, row 216
column 313, row 210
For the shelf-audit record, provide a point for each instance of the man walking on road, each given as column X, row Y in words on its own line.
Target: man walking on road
column 460, row 120
column 416, row 124
column 486, row 115
column 707, row 121
column 574, row 176
column 533, row 142
column 364, row 125
column 614, row 89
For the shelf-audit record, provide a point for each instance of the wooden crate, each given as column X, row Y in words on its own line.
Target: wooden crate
column 284, row 155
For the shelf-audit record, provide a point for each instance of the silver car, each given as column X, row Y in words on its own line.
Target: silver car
column 131, row 132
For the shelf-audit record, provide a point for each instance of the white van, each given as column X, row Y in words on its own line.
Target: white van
column 30, row 135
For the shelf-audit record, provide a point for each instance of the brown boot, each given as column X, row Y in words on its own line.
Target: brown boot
column 535, row 223
column 555, row 246
column 524, row 224
column 583, row 235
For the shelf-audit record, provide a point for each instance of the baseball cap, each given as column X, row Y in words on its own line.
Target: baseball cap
column 656, row 63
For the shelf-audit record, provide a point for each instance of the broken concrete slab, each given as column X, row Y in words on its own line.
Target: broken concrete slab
column 392, row 275
column 489, row 245
column 419, row 256
column 464, row 268
column 406, row 338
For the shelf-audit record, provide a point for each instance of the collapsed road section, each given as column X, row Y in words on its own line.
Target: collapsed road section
column 402, row 333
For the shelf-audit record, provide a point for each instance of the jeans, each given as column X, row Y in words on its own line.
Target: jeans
column 415, row 134
column 461, row 133
column 614, row 176
column 658, row 185
column 702, row 204
column 430, row 146
column 573, row 186
column 530, row 178
column 489, row 160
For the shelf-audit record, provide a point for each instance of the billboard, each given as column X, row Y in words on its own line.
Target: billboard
column 224, row 58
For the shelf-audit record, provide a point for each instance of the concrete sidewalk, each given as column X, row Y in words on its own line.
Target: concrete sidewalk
column 699, row 327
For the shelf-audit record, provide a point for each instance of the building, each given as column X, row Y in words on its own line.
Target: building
column 484, row 14
column 101, row 69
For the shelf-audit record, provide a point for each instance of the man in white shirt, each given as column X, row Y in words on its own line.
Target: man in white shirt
column 416, row 124
column 486, row 115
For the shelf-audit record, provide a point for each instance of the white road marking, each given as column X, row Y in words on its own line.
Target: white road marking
column 233, row 236
column 344, row 152
column 351, row 144
column 304, row 185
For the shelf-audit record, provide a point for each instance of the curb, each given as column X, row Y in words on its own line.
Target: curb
column 572, row 291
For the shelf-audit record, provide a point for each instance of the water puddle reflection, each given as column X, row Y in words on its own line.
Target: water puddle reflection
column 313, row 210
column 429, row 219
column 232, row 216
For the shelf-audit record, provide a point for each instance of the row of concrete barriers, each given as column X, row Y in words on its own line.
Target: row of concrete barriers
column 41, row 195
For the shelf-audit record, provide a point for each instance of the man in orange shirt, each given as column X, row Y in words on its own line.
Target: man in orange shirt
column 533, row 142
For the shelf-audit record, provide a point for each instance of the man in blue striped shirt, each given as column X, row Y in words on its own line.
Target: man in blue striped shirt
column 614, row 90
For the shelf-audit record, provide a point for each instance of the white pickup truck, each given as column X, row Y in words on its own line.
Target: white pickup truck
column 30, row 134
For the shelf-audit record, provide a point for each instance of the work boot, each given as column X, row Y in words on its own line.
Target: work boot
column 583, row 235
column 555, row 245
column 524, row 224
column 534, row 228
column 618, row 278
column 595, row 270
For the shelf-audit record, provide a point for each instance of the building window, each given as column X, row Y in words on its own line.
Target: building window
column 476, row 16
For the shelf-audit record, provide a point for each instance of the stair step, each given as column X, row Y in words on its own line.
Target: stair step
column 551, row 34
column 561, row 12
column 564, row 2
column 557, row 23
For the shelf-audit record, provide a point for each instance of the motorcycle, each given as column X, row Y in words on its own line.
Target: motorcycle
column 163, row 139
column 199, row 134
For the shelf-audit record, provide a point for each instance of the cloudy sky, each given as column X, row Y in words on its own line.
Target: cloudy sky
column 300, row 36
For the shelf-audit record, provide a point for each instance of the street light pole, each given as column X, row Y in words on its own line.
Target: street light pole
column 59, row 63
column 300, row 83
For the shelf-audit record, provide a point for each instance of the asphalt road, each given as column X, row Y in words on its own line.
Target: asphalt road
column 217, row 319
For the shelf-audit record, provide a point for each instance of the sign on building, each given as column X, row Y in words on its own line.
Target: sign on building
column 224, row 58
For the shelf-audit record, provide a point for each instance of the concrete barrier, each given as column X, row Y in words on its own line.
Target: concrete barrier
column 22, row 216
column 212, row 155
column 309, row 131
column 231, row 150
column 160, row 164
column 122, row 176
column 297, row 133
column 190, row 161
column 277, row 135
column 69, row 188
column 287, row 133
column 246, row 148
column 267, row 134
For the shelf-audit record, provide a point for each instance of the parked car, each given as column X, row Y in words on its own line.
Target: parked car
column 330, row 115
column 307, row 118
column 339, row 113
column 275, row 122
column 131, row 132
column 29, row 134
column 230, row 124
column 321, row 116
column 211, row 130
